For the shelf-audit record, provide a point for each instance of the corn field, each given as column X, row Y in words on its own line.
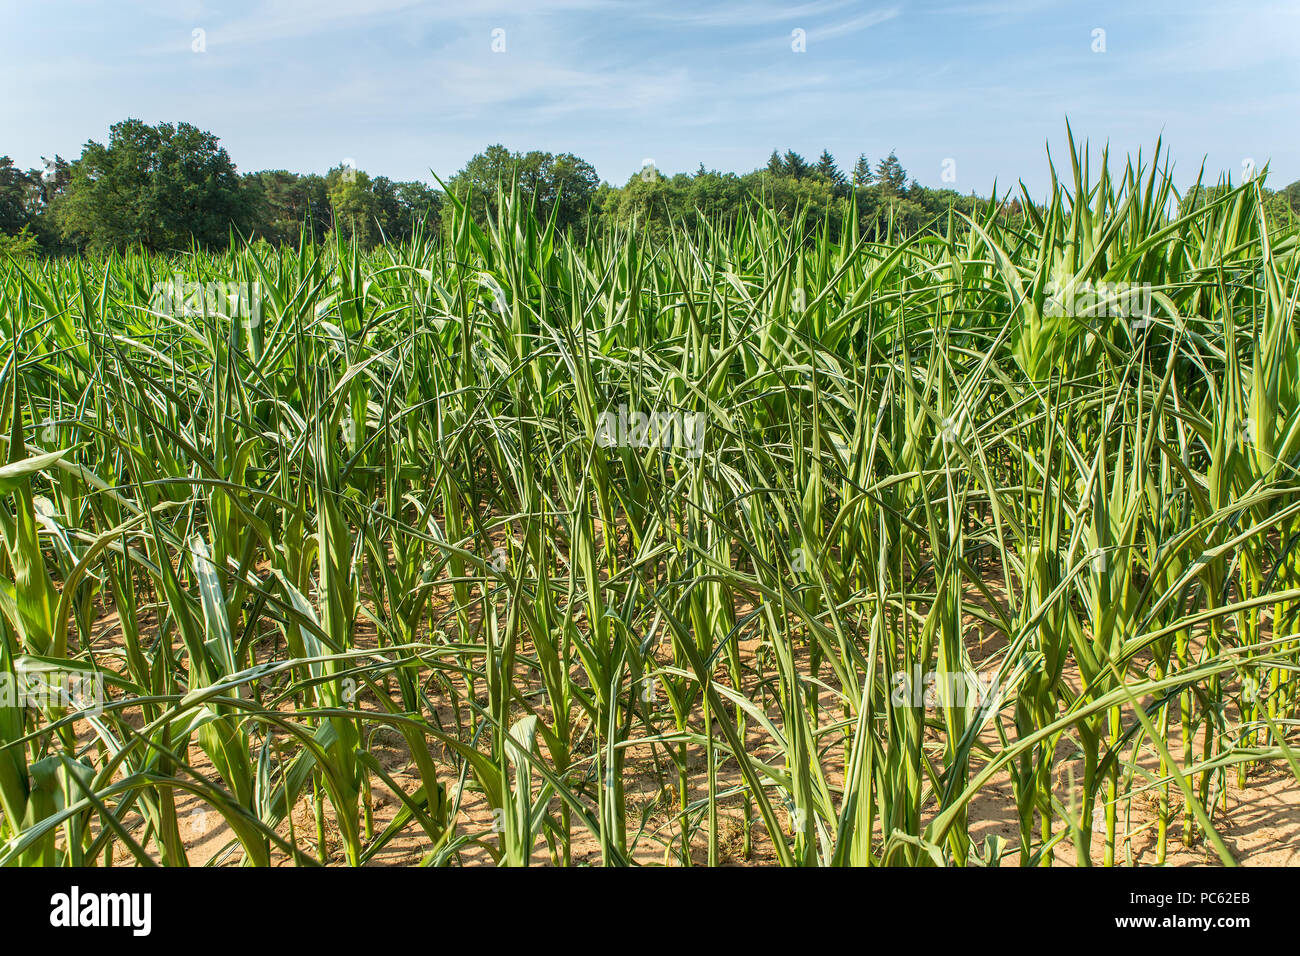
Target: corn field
column 756, row 544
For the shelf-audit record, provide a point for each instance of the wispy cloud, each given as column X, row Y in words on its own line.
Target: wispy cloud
column 278, row 20
column 1247, row 39
column 856, row 25
column 550, row 91
column 405, row 85
column 1009, row 9
column 745, row 14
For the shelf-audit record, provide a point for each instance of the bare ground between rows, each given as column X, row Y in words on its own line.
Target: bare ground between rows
column 1260, row 823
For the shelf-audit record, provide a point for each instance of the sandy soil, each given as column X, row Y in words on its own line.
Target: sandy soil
column 1260, row 822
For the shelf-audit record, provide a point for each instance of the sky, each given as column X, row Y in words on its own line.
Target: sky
column 965, row 91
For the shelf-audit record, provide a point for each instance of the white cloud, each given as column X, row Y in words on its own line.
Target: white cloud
column 742, row 15
column 292, row 19
column 856, row 25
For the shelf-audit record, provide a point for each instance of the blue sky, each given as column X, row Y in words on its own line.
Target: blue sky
column 404, row 87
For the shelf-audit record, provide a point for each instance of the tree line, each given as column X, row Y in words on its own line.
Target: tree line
column 171, row 186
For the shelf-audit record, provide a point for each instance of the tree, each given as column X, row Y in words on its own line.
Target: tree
column 827, row 169
column 719, row 196
column 282, row 204
column 22, row 245
column 356, row 208
column 563, row 185
column 570, row 185
column 811, row 196
column 1199, row 196
column 891, row 176
column 406, row 207
column 50, row 184
column 157, row 186
column 775, row 165
column 1292, row 194
column 26, row 200
column 15, row 190
column 862, row 175
column 796, row 165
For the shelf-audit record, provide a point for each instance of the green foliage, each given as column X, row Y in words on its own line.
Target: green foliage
column 890, row 175
column 828, row 170
column 159, row 187
column 166, row 187
column 795, row 166
column 15, row 189
column 862, row 174
column 406, row 208
column 381, row 575
column 22, row 245
column 560, row 187
column 284, row 206
column 654, row 202
column 357, row 211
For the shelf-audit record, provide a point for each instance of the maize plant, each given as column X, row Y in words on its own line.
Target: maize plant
column 748, row 544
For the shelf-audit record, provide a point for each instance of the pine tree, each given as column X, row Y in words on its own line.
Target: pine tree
column 775, row 165
column 796, row 165
column 826, row 168
column 862, row 175
column 891, row 175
